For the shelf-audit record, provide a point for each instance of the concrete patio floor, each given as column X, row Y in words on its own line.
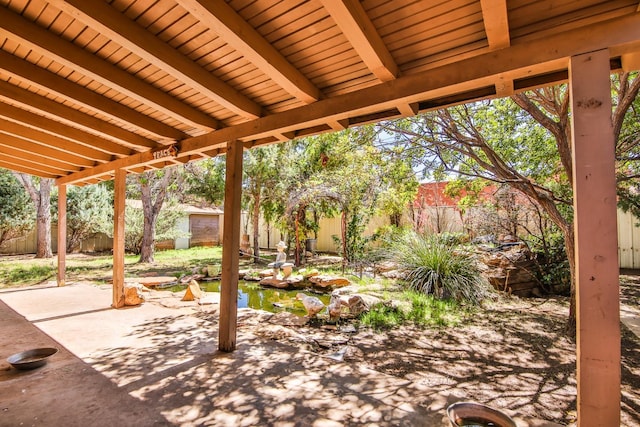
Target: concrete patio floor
column 155, row 365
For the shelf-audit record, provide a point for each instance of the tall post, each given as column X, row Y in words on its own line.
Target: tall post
column 597, row 274
column 230, row 248
column 62, row 234
column 118, row 238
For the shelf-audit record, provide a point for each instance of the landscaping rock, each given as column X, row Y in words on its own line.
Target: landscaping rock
column 511, row 269
column 266, row 273
column 132, row 295
column 361, row 303
column 193, row 292
column 325, row 281
column 275, row 282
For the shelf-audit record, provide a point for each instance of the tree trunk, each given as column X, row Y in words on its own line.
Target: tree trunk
column 151, row 209
column 256, row 227
column 43, row 227
column 42, row 202
column 147, row 249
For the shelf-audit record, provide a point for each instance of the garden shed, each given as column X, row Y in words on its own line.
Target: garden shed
column 93, row 91
column 204, row 226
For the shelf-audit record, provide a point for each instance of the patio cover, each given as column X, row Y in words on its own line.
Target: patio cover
column 94, row 90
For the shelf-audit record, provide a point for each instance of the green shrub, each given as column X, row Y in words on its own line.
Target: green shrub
column 436, row 267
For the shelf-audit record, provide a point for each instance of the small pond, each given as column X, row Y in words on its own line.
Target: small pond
column 252, row 295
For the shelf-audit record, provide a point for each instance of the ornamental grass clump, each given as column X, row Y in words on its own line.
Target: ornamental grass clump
column 437, row 267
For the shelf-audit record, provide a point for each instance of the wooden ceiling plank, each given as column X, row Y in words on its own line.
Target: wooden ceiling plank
column 224, row 21
column 46, row 106
column 354, row 23
column 62, row 144
column 14, row 26
column 468, row 74
column 26, row 169
column 496, row 23
column 118, row 27
column 57, row 128
column 52, row 83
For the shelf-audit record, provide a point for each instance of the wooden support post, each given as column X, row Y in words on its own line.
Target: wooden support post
column 597, row 274
column 62, row 233
column 230, row 248
column 118, row 238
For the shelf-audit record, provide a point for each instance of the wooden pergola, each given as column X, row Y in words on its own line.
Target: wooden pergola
column 94, row 90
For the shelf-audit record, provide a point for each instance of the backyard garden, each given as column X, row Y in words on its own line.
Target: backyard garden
column 499, row 349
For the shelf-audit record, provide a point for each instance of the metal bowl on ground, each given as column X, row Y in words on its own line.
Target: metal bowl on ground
column 31, row 359
column 472, row 414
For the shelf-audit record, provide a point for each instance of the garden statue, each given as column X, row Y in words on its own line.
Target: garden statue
column 280, row 262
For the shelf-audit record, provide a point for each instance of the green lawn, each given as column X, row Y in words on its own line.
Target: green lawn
column 25, row 270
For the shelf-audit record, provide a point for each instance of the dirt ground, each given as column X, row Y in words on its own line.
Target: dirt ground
column 514, row 355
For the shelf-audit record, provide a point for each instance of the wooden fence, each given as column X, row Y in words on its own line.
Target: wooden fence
column 628, row 235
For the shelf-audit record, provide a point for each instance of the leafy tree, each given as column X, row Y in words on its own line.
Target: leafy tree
column 260, row 172
column 89, row 212
column 153, row 187
column 205, row 179
column 524, row 141
column 16, row 213
column 627, row 129
column 41, row 198
column 164, row 229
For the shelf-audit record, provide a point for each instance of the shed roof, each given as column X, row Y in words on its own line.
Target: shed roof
column 89, row 87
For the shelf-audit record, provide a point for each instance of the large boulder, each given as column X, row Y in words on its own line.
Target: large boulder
column 511, row 268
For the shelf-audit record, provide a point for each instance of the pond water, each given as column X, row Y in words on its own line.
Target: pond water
column 252, row 295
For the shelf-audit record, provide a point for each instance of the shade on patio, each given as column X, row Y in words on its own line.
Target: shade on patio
column 93, row 90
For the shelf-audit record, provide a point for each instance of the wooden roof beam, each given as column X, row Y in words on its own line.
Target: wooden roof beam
column 16, row 27
column 466, row 75
column 28, row 169
column 108, row 21
column 53, row 83
column 224, row 21
column 35, row 121
column 504, row 86
column 67, row 161
column 54, row 165
column 355, row 24
column 338, row 124
column 631, row 61
column 496, row 23
column 34, row 102
column 38, row 162
column 59, row 143
column 408, row 109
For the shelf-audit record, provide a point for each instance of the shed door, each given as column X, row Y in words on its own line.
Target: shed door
column 204, row 230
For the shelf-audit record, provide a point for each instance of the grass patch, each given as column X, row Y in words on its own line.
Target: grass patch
column 418, row 309
column 18, row 271
column 26, row 275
